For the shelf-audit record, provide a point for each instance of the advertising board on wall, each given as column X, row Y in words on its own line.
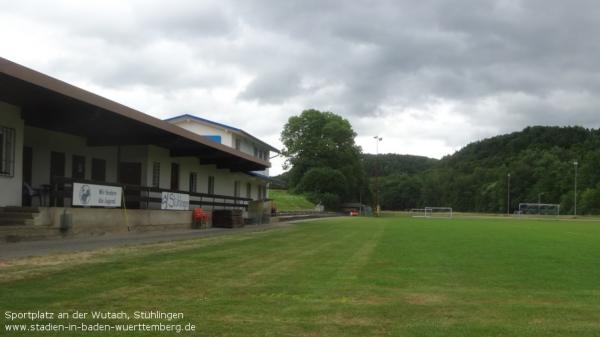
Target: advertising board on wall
column 96, row 195
column 175, row 201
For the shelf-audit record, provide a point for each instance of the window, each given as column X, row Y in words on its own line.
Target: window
column 255, row 151
column 249, row 190
column 98, row 169
column 174, row 176
column 236, row 189
column 211, row 185
column 193, row 182
column 262, row 192
column 78, row 167
column 238, row 143
column 7, row 152
column 156, row 174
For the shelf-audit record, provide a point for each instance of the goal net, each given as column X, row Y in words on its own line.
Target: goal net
column 417, row 212
column 539, row 209
column 431, row 212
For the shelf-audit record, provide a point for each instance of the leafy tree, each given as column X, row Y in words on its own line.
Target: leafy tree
column 539, row 159
column 323, row 140
column 323, row 179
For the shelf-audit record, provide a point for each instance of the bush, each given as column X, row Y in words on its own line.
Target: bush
column 329, row 200
column 323, row 180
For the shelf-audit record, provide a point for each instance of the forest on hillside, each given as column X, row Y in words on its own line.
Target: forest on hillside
column 540, row 161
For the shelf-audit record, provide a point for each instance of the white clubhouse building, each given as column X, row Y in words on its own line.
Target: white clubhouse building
column 55, row 138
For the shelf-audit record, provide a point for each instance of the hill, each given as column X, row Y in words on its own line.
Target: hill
column 287, row 202
column 391, row 163
column 539, row 160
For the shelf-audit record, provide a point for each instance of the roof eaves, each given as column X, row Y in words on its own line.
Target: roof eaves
column 53, row 84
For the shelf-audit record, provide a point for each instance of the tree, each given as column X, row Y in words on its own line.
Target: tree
column 323, row 140
column 323, row 179
column 539, row 160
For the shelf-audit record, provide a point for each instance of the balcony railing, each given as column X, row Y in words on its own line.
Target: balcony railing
column 142, row 197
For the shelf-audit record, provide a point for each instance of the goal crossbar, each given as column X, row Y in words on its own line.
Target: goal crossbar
column 526, row 208
column 430, row 212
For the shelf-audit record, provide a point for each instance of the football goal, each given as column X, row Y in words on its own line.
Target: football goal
column 538, row 209
column 431, row 212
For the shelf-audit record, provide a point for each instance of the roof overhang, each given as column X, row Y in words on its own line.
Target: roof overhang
column 52, row 104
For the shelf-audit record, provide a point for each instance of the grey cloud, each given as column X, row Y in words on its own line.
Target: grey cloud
column 537, row 60
column 272, row 87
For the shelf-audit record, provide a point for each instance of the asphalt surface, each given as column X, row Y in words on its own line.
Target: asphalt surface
column 85, row 243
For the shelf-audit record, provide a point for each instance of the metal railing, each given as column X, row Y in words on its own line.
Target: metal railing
column 142, row 197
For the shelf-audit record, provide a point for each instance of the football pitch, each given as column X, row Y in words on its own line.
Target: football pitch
column 388, row 276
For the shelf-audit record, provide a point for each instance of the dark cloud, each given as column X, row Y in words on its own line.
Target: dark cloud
column 496, row 65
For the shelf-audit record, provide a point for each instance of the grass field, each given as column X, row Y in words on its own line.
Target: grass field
column 290, row 202
column 391, row 276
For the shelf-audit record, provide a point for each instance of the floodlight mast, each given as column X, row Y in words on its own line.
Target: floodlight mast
column 377, row 208
column 508, row 196
column 575, row 163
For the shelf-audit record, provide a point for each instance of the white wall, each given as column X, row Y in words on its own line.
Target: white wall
column 207, row 130
column 224, row 179
column 11, row 188
column 227, row 137
column 43, row 142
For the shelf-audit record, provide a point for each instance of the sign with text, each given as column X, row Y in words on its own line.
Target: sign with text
column 175, row 201
column 96, row 195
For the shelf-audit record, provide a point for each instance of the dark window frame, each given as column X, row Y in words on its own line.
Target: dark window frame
column 7, row 151
column 193, row 183
column 156, row 174
column 210, row 188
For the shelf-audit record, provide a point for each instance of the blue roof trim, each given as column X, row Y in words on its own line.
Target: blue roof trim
column 203, row 120
column 260, row 176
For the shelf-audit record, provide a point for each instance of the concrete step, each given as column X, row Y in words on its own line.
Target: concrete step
column 16, row 222
column 17, row 215
column 16, row 209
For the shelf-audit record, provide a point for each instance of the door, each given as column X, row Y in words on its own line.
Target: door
column 57, row 170
column 27, row 172
column 98, row 170
column 131, row 174
column 174, row 176
column 78, row 168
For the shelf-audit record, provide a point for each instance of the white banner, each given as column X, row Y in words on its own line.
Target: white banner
column 96, row 195
column 175, row 201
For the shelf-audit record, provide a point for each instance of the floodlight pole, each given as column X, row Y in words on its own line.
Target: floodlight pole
column 575, row 163
column 508, row 196
column 377, row 208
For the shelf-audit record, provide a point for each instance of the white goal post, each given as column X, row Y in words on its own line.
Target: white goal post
column 526, row 208
column 417, row 212
column 431, row 212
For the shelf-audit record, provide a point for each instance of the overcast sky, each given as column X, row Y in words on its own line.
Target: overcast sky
column 427, row 76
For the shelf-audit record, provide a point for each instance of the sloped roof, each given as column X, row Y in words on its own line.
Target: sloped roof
column 221, row 125
column 47, row 102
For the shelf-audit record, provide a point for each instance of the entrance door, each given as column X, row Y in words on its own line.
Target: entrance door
column 131, row 174
column 57, row 166
column 27, row 172
column 174, row 176
column 57, row 170
column 78, row 169
column 98, row 169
